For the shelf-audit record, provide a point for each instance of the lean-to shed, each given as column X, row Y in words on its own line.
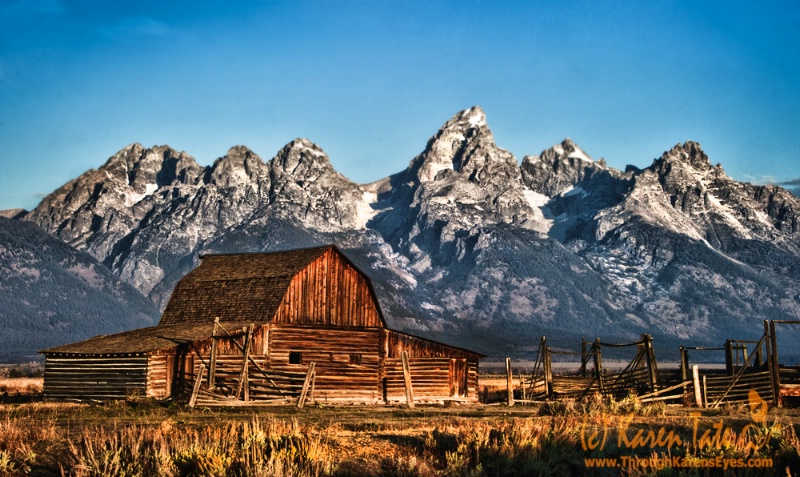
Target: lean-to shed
column 252, row 325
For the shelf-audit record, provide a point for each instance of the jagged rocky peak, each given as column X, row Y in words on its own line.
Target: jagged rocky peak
column 464, row 144
column 689, row 153
column 559, row 168
column 239, row 166
column 567, row 149
column 684, row 171
column 686, row 163
column 301, row 157
column 147, row 169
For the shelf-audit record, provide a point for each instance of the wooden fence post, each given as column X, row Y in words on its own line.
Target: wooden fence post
column 509, row 383
column 729, row 357
column 776, row 367
column 684, row 363
column 775, row 389
column 302, row 399
column 698, row 398
column 598, row 365
column 548, row 372
column 584, row 358
column 705, row 392
column 650, row 356
column 243, row 376
column 212, row 369
column 407, row 380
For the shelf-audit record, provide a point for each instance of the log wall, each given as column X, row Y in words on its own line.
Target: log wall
column 71, row 377
column 431, row 379
column 329, row 291
column 348, row 361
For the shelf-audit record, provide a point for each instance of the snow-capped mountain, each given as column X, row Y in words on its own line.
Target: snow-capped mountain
column 466, row 244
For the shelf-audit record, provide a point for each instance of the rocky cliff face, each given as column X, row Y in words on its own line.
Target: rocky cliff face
column 466, row 245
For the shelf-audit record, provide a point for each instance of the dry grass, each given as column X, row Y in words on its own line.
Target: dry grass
column 21, row 386
column 127, row 439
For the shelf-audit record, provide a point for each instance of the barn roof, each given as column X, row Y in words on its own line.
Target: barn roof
column 232, row 286
column 143, row 340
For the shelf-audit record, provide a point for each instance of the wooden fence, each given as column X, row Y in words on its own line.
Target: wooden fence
column 750, row 365
column 639, row 376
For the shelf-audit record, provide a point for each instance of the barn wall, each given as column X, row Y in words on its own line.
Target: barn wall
column 329, row 291
column 157, row 377
column 430, row 379
column 161, row 374
column 229, row 359
column 347, row 361
column 396, row 342
column 94, row 377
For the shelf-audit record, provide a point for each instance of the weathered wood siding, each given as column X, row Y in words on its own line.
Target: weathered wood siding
column 329, row 291
column 94, row 377
column 472, row 380
column 159, row 382
column 431, row 379
column 395, row 342
column 438, row 371
column 347, row 360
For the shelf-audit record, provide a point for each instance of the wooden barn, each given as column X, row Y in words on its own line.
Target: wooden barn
column 266, row 327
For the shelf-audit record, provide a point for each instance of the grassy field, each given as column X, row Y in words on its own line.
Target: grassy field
column 144, row 438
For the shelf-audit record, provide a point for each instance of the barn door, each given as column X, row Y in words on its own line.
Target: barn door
column 458, row 377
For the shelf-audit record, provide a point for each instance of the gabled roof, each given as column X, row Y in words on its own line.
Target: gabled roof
column 242, row 286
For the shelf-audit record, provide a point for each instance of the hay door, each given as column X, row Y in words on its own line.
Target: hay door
column 458, row 377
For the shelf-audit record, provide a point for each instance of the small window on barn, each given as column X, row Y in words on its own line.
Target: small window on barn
column 355, row 359
column 295, row 357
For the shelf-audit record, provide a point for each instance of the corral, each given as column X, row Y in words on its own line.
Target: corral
column 746, row 370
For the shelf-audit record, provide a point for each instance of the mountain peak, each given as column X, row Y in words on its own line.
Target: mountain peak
column 146, row 169
column 300, row 156
column 451, row 147
column 471, row 118
column 689, row 153
column 566, row 149
column 560, row 168
column 239, row 166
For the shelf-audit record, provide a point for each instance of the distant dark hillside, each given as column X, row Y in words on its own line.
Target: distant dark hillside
column 52, row 294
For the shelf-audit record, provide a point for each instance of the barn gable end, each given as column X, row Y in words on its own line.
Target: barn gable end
column 329, row 291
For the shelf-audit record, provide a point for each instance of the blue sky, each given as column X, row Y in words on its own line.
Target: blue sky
column 371, row 81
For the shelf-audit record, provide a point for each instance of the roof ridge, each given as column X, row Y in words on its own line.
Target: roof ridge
column 273, row 252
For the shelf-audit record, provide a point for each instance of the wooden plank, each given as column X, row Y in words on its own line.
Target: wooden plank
column 407, row 380
column 302, row 399
column 664, row 391
column 196, row 389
